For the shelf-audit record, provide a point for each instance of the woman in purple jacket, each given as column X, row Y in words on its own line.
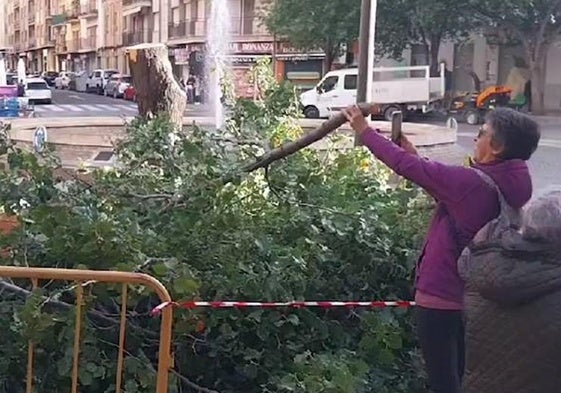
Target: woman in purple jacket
column 465, row 204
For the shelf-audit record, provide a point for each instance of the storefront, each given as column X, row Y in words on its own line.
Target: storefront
column 303, row 69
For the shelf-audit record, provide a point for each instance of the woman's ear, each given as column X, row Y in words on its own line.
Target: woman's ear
column 497, row 149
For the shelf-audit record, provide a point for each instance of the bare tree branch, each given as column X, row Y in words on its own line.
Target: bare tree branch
column 57, row 304
column 192, row 384
column 292, row 147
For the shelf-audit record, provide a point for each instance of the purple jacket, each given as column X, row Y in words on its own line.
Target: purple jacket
column 465, row 204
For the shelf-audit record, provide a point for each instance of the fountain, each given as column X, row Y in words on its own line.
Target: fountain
column 216, row 59
column 21, row 70
column 3, row 78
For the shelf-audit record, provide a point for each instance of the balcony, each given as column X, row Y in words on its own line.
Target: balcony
column 74, row 14
column 45, row 42
column 89, row 10
column 138, row 3
column 88, row 44
column 72, row 46
column 136, row 37
column 131, row 7
column 31, row 17
column 178, row 30
column 32, row 44
column 242, row 26
column 190, row 29
column 17, row 24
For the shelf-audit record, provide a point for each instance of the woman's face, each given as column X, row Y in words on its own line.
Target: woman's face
column 485, row 150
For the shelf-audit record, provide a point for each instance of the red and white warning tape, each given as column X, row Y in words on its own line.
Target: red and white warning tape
column 374, row 304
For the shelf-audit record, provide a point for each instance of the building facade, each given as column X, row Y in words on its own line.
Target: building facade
column 87, row 34
column 76, row 35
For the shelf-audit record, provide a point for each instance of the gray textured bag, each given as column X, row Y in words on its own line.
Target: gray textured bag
column 508, row 220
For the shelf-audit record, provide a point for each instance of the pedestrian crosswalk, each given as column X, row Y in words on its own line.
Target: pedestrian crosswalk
column 127, row 108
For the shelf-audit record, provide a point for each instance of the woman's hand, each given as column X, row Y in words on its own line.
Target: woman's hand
column 355, row 118
column 407, row 145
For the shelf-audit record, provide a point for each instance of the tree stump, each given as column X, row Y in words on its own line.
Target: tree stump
column 157, row 90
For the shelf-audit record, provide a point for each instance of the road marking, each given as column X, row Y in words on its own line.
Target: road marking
column 107, row 107
column 128, row 107
column 73, row 108
column 92, row 108
column 53, row 108
column 76, row 97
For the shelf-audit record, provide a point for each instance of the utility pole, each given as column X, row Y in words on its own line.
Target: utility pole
column 366, row 55
column 363, row 38
column 363, row 51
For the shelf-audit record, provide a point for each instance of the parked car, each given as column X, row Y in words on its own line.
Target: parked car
column 98, row 80
column 38, row 91
column 117, row 85
column 62, row 81
column 130, row 93
column 50, row 77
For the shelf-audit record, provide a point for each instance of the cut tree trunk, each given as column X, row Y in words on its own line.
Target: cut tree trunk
column 157, row 90
column 292, row 147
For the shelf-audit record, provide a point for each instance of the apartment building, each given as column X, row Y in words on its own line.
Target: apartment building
column 187, row 32
column 86, row 34
column 5, row 45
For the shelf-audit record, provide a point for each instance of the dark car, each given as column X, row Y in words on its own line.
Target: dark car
column 11, row 78
column 49, row 77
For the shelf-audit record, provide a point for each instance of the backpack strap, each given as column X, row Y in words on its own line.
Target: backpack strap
column 513, row 216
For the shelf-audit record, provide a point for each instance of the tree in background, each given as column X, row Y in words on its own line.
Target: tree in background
column 402, row 23
column 534, row 24
column 313, row 24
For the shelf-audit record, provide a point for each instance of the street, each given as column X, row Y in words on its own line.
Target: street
column 545, row 164
column 67, row 103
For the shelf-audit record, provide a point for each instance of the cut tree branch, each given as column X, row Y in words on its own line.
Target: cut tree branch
column 292, row 147
column 192, row 384
column 57, row 304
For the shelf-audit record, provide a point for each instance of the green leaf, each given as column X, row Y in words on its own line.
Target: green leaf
column 185, row 286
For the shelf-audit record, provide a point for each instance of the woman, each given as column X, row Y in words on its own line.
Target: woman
column 465, row 204
column 513, row 306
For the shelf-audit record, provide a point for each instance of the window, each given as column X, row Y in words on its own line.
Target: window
column 329, row 84
column 97, row 74
column 37, row 86
column 350, row 82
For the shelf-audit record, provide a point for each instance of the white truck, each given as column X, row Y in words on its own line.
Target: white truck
column 406, row 89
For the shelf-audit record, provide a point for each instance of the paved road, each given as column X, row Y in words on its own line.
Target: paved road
column 73, row 104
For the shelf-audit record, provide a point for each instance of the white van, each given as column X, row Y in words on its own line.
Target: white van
column 406, row 89
column 98, row 80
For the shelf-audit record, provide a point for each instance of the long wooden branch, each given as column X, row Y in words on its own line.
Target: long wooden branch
column 292, row 147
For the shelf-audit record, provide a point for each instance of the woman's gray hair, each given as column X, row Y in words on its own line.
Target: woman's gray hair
column 542, row 218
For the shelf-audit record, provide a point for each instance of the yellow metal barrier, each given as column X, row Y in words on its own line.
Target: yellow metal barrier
column 88, row 276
